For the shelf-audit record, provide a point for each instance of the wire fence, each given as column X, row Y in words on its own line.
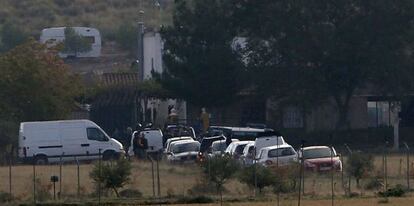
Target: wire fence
column 156, row 178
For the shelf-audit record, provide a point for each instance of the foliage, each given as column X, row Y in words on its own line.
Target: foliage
column 112, row 176
column 35, row 85
column 219, row 170
column 359, row 165
column 201, row 199
column 130, row 193
column 5, row 197
column 75, row 43
column 326, row 50
column 373, row 184
column 264, row 176
column 10, row 36
column 287, row 177
column 397, row 191
column 126, row 37
column 201, row 65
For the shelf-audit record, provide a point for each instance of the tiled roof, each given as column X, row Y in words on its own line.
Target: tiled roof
column 120, row 79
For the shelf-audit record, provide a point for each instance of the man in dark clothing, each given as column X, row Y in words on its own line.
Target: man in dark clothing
column 140, row 145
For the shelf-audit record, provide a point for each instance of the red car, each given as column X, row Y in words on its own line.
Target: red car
column 320, row 159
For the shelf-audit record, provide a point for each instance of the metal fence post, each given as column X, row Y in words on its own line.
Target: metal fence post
column 349, row 175
column 152, row 175
column 34, row 179
column 78, row 174
column 385, row 167
column 301, row 172
column 100, row 175
column 408, row 165
column 10, row 174
column 332, row 176
column 158, row 179
column 60, row 176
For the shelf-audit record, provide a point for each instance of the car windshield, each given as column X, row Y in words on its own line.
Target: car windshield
column 219, row 146
column 186, row 147
column 239, row 149
column 281, row 152
column 317, row 153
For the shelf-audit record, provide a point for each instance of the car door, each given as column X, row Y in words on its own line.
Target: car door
column 97, row 141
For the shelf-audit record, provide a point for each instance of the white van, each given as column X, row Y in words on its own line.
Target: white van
column 268, row 139
column 154, row 139
column 48, row 141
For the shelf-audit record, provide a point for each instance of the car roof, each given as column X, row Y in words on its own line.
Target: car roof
column 183, row 142
column 315, row 147
column 178, row 138
column 278, row 146
column 244, row 129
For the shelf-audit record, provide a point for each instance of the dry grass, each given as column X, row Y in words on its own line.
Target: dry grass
column 178, row 179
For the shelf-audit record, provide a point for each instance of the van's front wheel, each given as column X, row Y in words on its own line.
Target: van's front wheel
column 109, row 155
column 40, row 160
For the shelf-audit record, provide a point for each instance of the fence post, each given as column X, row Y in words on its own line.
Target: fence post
column 100, row 175
column 34, row 179
column 78, row 174
column 385, row 167
column 153, row 176
column 332, row 175
column 10, row 174
column 349, row 175
column 301, row 171
column 408, row 165
column 158, row 179
column 60, row 176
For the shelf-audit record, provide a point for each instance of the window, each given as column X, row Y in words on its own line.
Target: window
column 381, row 113
column 292, row 117
column 281, row 152
column 96, row 134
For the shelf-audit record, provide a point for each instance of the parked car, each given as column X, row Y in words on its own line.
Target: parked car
column 241, row 133
column 278, row 155
column 48, row 141
column 247, row 158
column 171, row 140
column 154, row 138
column 183, row 151
column 268, row 139
column 172, row 131
column 320, row 158
column 205, row 146
column 235, row 149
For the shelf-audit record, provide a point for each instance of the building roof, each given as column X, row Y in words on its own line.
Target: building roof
column 119, row 79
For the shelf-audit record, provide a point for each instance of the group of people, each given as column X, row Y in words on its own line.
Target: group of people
column 139, row 144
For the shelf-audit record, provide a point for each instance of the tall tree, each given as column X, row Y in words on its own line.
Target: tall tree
column 201, row 64
column 75, row 43
column 323, row 49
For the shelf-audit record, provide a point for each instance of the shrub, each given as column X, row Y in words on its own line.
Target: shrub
column 219, row 170
column 397, row 191
column 126, row 37
column 203, row 187
column 373, row 184
column 130, row 193
column 195, row 200
column 264, row 177
column 112, row 176
column 359, row 165
column 5, row 197
column 75, row 43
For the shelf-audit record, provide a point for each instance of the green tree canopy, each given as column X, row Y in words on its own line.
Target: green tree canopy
column 313, row 50
column 201, row 65
column 75, row 43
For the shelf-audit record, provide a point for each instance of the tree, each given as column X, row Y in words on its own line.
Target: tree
column 219, row 170
column 75, row 43
column 326, row 50
column 359, row 164
column 113, row 176
column 11, row 36
column 35, row 84
column 264, row 177
column 201, row 65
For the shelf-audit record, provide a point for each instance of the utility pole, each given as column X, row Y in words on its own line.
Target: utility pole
column 140, row 53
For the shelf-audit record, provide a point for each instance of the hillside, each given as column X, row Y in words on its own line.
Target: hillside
column 106, row 15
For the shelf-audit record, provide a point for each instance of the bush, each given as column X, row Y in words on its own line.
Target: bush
column 112, row 176
column 220, row 169
column 195, row 200
column 5, row 197
column 130, row 193
column 203, row 187
column 126, row 37
column 264, row 177
column 287, row 178
column 397, row 191
column 359, row 165
column 373, row 184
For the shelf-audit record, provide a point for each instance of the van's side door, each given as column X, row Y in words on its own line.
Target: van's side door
column 73, row 139
column 97, row 140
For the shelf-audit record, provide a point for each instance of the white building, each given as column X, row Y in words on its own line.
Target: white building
column 153, row 48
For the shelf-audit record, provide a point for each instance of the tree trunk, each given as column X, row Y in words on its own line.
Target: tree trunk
column 116, row 191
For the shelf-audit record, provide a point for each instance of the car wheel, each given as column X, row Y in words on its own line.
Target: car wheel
column 41, row 160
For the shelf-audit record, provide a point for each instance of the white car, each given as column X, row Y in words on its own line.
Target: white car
column 183, row 151
column 267, row 140
column 278, row 155
column 235, row 149
column 175, row 139
column 219, row 147
column 248, row 154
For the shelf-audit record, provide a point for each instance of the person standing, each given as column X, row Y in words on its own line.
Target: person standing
column 205, row 120
column 140, row 145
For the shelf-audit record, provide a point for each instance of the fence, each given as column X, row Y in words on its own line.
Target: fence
column 159, row 180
